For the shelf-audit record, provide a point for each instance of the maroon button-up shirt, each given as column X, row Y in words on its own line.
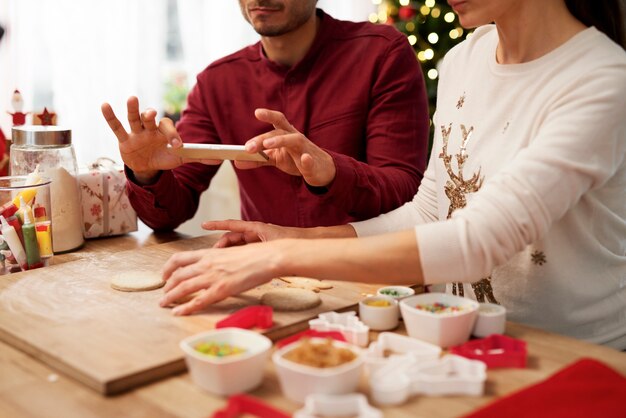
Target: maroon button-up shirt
column 358, row 93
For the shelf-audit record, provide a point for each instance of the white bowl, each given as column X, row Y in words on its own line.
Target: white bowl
column 442, row 329
column 297, row 380
column 379, row 318
column 491, row 320
column 404, row 292
column 231, row 374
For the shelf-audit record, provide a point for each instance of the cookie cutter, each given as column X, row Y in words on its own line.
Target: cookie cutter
column 449, row 375
column 243, row 404
column 354, row 331
column 311, row 333
column 354, row 405
column 403, row 347
column 495, row 351
column 259, row 316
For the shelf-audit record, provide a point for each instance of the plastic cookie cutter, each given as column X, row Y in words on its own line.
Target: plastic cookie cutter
column 449, row 375
column 354, row 331
column 495, row 351
column 353, row 405
column 239, row 405
column 311, row 333
column 390, row 347
column 249, row 317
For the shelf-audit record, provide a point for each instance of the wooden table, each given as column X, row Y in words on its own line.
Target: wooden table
column 29, row 388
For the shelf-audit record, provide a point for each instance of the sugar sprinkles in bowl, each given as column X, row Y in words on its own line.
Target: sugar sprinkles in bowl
column 439, row 318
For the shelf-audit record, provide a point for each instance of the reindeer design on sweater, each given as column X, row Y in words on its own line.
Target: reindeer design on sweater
column 457, row 189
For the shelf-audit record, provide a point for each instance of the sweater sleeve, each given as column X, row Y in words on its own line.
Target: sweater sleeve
column 422, row 209
column 578, row 148
column 396, row 141
column 174, row 198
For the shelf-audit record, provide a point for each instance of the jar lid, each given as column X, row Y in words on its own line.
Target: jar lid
column 41, row 135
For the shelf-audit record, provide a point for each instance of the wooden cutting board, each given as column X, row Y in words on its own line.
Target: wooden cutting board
column 68, row 316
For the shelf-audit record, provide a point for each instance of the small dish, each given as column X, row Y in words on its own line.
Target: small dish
column 232, row 373
column 380, row 313
column 396, row 292
column 297, row 381
column 491, row 320
column 439, row 318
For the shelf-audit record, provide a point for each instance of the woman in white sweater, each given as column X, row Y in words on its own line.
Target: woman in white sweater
column 524, row 199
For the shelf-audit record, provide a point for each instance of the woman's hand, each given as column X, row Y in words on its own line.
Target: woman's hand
column 216, row 274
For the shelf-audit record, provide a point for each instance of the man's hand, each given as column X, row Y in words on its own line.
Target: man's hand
column 245, row 232
column 290, row 151
column 143, row 149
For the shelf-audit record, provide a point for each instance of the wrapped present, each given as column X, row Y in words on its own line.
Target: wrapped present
column 106, row 209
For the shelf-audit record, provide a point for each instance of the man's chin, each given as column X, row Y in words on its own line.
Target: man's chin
column 270, row 31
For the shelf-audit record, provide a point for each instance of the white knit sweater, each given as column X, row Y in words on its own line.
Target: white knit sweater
column 543, row 178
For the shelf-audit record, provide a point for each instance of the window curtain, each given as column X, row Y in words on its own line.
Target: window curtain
column 73, row 55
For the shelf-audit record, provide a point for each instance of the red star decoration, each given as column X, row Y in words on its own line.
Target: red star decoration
column 46, row 117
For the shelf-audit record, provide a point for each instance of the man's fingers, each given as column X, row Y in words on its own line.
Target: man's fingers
column 167, row 128
column 275, row 118
column 256, row 144
column 134, row 119
column 230, row 239
column 114, row 123
column 294, row 142
column 232, row 225
column 148, row 118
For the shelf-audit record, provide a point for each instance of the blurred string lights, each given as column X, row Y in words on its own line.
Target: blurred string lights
column 431, row 28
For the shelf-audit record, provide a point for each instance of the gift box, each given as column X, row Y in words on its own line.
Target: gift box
column 106, row 209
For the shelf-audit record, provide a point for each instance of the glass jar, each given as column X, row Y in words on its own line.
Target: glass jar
column 49, row 150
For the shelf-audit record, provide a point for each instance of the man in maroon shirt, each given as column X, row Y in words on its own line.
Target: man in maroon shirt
column 350, row 124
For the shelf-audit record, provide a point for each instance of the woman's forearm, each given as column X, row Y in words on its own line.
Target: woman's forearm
column 392, row 258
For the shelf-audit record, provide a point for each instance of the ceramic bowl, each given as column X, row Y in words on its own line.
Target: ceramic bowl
column 491, row 320
column 298, row 380
column 396, row 292
column 377, row 317
column 445, row 328
column 230, row 374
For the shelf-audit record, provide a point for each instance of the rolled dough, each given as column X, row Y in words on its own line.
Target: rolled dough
column 137, row 281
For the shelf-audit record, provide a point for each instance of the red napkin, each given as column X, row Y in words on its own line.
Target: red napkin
column 587, row 388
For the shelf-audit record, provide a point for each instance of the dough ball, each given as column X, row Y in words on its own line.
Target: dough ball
column 306, row 283
column 137, row 281
column 290, row 299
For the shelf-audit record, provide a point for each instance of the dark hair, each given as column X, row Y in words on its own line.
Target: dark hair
column 606, row 15
column 1, row 32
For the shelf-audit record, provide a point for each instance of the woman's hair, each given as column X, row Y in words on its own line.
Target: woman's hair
column 606, row 15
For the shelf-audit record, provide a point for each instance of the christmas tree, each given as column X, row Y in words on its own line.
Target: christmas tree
column 432, row 29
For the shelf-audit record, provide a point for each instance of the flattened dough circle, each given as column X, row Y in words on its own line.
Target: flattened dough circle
column 137, row 281
column 291, row 299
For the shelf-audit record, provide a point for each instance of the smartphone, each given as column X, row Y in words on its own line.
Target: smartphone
column 216, row 152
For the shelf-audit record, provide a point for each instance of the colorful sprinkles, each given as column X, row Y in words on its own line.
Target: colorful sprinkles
column 218, row 349
column 439, row 308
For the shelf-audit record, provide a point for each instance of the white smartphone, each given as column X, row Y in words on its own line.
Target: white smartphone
column 216, row 152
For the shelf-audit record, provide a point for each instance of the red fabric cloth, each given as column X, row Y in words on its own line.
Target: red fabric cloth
column 358, row 93
column 587, row 388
